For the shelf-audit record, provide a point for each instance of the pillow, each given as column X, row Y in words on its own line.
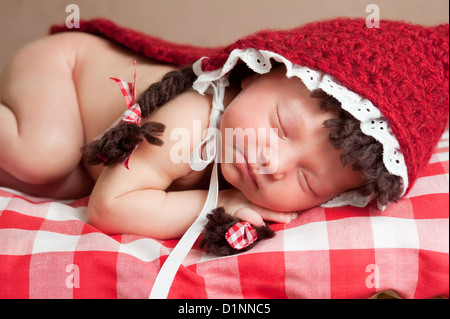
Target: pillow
column 47, row 250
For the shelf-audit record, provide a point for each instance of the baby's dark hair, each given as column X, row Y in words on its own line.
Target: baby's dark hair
column 117, row 143
column 363, row 152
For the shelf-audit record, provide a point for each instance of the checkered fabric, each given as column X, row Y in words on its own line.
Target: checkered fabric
column 133, row 114
column 241, row 235
column 47, row 250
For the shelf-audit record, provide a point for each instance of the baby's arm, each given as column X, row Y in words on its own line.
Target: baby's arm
column 135, row 200
column 148, row 212
column 163, row 215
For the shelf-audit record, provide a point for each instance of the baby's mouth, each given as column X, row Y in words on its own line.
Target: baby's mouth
column 246, row 168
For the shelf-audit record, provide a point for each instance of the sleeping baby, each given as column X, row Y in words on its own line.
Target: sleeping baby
column 332, row 113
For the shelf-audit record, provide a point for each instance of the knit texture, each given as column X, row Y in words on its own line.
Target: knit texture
column 149, row 46
column 403, row 69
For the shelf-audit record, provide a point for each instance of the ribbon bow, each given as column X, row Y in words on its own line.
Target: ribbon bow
column 241, row 235
column 133, row 112
column 212, row 141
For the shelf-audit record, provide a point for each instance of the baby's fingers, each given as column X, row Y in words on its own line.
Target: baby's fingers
column 249, row 215
column 277, row 217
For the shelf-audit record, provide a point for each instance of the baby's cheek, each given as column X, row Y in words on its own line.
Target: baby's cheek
column 230, row 173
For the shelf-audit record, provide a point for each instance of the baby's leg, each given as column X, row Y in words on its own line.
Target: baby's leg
column 41, row 131
column 75, row 185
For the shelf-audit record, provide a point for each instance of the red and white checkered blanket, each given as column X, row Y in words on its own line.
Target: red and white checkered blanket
column 47, row 250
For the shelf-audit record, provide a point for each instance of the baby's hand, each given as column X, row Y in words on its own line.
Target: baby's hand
column 237, row 205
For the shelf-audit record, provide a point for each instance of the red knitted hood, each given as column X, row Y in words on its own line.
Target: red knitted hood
column 400, row 70
column 403, row 69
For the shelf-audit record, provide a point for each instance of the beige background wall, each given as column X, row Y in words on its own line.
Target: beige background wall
column 200, row 22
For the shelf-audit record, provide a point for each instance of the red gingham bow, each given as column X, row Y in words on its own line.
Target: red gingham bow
column 241, row 235
column 133, row 112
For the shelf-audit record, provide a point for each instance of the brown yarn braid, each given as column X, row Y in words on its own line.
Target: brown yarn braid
column 363, row 152
column 117, row 143
column 213, row 235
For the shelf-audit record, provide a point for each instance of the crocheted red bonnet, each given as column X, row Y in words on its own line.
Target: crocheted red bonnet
column 393, row 79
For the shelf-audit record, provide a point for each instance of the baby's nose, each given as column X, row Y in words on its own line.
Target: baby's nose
column 268, row 159
column 277, row 162
column 278, row 175
column 264, row 156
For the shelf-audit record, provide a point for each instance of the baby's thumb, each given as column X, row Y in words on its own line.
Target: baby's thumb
column 249, row 215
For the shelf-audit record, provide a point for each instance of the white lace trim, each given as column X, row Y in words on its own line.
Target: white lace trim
column 373, row 123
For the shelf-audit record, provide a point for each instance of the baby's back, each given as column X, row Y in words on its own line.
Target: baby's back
column 96, row 60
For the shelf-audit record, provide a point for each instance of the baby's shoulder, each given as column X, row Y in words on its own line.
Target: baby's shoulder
column 185, row 118
column 188, row 112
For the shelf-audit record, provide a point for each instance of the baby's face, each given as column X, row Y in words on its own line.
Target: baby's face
column 285, row 162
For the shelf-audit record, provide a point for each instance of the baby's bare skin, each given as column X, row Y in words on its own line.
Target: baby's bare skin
column 56, row 96
column 70, row 74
